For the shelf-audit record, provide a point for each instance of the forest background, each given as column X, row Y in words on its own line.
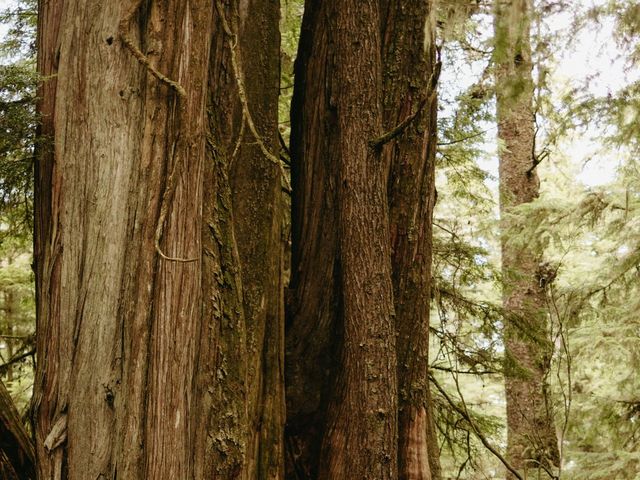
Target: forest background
column 587, row 218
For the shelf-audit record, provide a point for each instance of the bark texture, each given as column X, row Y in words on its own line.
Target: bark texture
column 532, row 442
column 313, row 337
column 333, row 82
column 246, row 210
column 17, row 458
column 341, row 305
column 117, row 324
column 258, row 220
column 154, row 362
column 361, row 432
column 410, row 76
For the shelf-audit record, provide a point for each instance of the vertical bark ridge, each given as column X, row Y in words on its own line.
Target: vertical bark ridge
column 410, row 75
column 45, row 398
column 221, row 429
column 116, row 387
column 314, row 303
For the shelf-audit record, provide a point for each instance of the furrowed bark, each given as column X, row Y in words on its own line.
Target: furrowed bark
column 160, row 339
column 361, row 430
column 221, row 383
column 117, row 323
column 532, row 442
column 341, row 365
column 17, row 458
column 247, row 212
column 410, row 77
column 314, row 305
column 258, row 217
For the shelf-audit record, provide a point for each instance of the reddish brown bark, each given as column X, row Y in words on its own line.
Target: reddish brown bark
column 313, row 338
column 410, row 77
column 318, row 341
column 143, row 367
column 340, row 343
column 532, row 442
column 116, row 323
column 361, row 430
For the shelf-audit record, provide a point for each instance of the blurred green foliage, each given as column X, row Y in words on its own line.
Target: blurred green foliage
column 18, row 122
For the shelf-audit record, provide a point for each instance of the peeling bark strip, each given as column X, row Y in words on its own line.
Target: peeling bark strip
column 532, row 444
column 410, row 78
column 152, row 365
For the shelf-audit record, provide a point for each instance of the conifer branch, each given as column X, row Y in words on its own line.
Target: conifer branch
column 465, row 414
column 16, row 359
column 398, row 129
column 402, row 126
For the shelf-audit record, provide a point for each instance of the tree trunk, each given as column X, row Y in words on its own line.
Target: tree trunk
column 154, row 362
column 17, row 459
column 258, row 221
column 251, row 212
column 313, row 338
column 410, row 76
column 328, row 84
column 342, row 421
column 10, row 311
column 361, row 430
column 117, row 323
column 532, row 443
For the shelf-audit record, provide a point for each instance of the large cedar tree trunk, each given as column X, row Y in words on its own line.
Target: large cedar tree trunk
column 341, row 368
column 154, row 362
column 532, row 442
column 410, row 77
column 317, row 336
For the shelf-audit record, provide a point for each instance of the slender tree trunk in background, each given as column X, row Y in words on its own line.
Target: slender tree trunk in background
column 154, row 367
column 341, row 366
column 10, row 311
column 410, row 76
column 17, row 459
column 532, row 442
